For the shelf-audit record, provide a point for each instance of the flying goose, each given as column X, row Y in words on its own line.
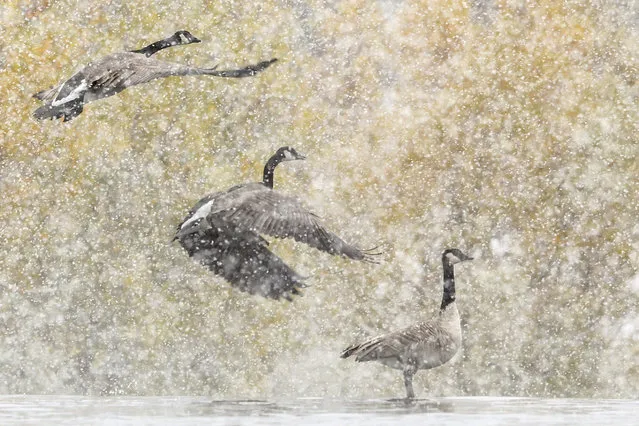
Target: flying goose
column 424, row 345
column 114, row 73
column 222, row 231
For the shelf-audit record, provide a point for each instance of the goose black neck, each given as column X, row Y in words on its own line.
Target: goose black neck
column 154, row 48
column 269, row 170
column 449, row 284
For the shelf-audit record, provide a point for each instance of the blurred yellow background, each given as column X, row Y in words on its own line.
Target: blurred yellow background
column 505, row 128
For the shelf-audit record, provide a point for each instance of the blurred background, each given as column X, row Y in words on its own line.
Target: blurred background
column 505, row 128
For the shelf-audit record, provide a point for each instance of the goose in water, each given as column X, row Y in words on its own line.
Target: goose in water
column 222, row 232
column 114, row 73
column 424, row 345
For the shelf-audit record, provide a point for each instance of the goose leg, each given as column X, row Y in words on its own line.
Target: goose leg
column 408, row 382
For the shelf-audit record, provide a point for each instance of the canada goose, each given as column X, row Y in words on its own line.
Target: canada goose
column 114, row 73
column 423, row 345
column 222, row 231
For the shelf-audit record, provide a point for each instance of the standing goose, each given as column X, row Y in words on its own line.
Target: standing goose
column 222, row 231
column 423, row 345
column 114, row 73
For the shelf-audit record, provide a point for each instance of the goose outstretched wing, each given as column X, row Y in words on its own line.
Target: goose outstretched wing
column 259, row 209
column 129, row 69
column 116, row 72
column 242, row 258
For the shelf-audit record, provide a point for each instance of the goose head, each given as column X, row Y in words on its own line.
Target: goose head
column 286, row 153
column 453, row 256
column 184, row 37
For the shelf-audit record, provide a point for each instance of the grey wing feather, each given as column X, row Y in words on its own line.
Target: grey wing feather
column 393, row 345
column 116, row 79
column 47, row 94
column 265, row 211
column 114, row 73
column 242, row 258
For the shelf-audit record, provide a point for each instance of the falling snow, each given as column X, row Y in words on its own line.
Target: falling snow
column 507, row 129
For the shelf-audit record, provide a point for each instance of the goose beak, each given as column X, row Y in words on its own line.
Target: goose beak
column 196, row 40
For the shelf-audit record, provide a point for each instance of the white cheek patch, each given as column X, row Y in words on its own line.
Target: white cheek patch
column 75, row 94
column 452, row 258
column 183, row 39
column 288, row 155
column 202, row 212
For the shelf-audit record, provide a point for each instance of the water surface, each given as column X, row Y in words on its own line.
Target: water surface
column 78, row 410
